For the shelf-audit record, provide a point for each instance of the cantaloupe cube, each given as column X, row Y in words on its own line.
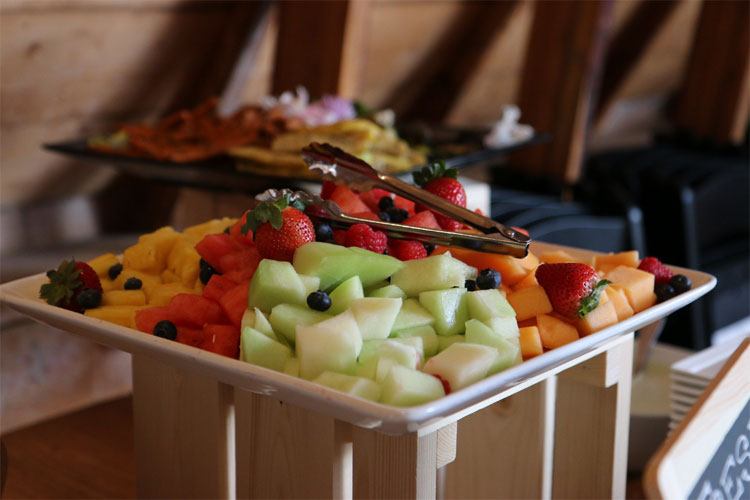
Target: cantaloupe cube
column 603, row 297
column 530, row 262
column 161, row 294
column 529, row 302
column 124, row 298
column 558, row 257
column 102, row 263
column 606, row 262
column 529, row 280
column 531, row 342
column 511, row 269
column 620, row 301
column 120, row 315
column 638, row 286
column 555, row 332
column 603, row 316
column 527, row 323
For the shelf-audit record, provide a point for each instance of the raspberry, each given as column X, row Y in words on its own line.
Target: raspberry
column 407, row 250
column 654, row 266
column 362, row 236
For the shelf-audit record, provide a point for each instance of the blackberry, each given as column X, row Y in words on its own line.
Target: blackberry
column 319, row 301
column 133, row 284
column 385, row 203
column 488, row 279
column 114, row 271
column 680, row 283
column 664, row 291
column 384, row 217
column 397, row 214
column 89, row 298
column 165, row 329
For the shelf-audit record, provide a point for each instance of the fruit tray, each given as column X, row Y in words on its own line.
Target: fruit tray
column 22, row 295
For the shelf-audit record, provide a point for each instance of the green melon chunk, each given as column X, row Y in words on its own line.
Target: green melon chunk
column 479, row 333
column 375, row 315
column 462, row 364
column 436, row 272
column 311, row 283
column 389, row 291
column 445, row 341
column 426, row 333
column 449, row 309
column 355, row 386
column 406, row 387
column 343, row 294
column 392, row 353
column 507, row 327
column 248, row 319
column 291, row 367
column 285, row 318
column 260, row 350
column 275, row 282
column 331, row 345
column 375, row 286
column 261, row 324
column 486, row 304
column 412, row 314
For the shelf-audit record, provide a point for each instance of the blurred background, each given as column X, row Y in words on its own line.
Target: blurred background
column 645, row 104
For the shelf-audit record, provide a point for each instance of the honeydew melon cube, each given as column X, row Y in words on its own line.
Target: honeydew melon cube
column 285, row 318
column 258, row 349
column 391, row 353
column 375, row 316
column 275, row 282
column 506, row 327
column 508, row 352
column 343, row 294
column 373, row 267
column 331, row 345
column 262, row 324
column 445, row 341
column 311, row 283
column 248, row 319
column 367, row 368
column 462, row 364
column 406, row 387
column 426, row 333
column 436, row 272
column 356, row 386
column 416, row 343
column 375, row 286
column 389, row 291
column 411, row 315
column 291, row 367
column 449, row 309
column 486, row 304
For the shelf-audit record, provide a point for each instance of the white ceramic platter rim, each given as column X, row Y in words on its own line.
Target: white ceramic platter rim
column 22, row 295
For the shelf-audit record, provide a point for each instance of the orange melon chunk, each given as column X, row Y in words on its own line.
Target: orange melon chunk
column 531, row 342
column 620, row 301
column 638, row 286
column 601, row 317
column 529, row 302
column 606, row 262
column 559, row 257
column 529, row 280
column 555, row 332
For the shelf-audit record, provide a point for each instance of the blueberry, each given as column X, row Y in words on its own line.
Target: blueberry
column 323, row 232
column 385, row 203
column 320, row 301
column 470, row 285
column 429, row 247
column 680, row 283
column 89, row 298
column 384, row 216
column 227, row 230
column 166, row 330
column 114, row 271
column 206, row 273
column 663, row 292
column 133, row 284
column 397, row 214
column 489, row 278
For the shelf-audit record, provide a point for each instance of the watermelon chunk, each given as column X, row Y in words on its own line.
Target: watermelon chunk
column 247, row 258
column 214, row 246
column 234, row 303
column 403, row 203
column 222, row 339
column 146, row 319
column 217, row 286
column 195, row 310
column 348, row 200
column 372, row 197
column 190, row 336
column 235, row 231
column 366, row 215
column 425, row 218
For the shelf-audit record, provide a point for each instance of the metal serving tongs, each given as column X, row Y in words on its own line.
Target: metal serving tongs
column 341, row 166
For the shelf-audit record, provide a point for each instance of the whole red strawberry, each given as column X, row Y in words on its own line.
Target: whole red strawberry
column 662, row 273
column 407, row 249
column 363, row 236
column 67, row 282
column 442, row 182
column 280, row 227
column 572, row 288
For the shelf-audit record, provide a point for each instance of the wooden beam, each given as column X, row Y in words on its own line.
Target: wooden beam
column 713, row 100
column 558, row 83
column 454, row 60
column 321, row 46
column 628, row 46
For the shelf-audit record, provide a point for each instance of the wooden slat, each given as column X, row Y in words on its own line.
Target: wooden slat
column 558, row 82
column 320, row 45
column 713, row 100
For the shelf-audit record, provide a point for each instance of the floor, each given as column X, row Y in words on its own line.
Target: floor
column 89, row 454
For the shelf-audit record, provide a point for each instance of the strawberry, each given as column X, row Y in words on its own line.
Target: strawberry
column 67, row 282
column 442, row 182
column 363, row 236
column 572, row 288
column 654, row 266
column 407, row 250
column 280, row 227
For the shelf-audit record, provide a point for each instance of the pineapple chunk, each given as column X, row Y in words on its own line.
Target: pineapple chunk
column 102, row 263
column 120, row 315
column 161, row 294
column 124, row 298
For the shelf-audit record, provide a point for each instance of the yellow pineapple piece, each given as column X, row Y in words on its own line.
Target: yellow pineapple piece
column 102, row 263
column 603, row 316
column 213, row 226
column 107, row 284
column 529, row 302
column 183, row 261
column 620, row 301
column 149, row 281
column 531, row 342
column 606, row 262
column 162, row 294
column 638, row 286
column 150, row 253
column 120, row 315
column 169, row 276
column 554, row 332
column 124, row 298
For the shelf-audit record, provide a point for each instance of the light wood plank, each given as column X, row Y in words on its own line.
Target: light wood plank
column 183, row 433
column 394, row 466
column 505, row 450
column 446, row 444
column 591, row 431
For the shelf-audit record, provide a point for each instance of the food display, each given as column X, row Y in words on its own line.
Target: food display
column 393, row 321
